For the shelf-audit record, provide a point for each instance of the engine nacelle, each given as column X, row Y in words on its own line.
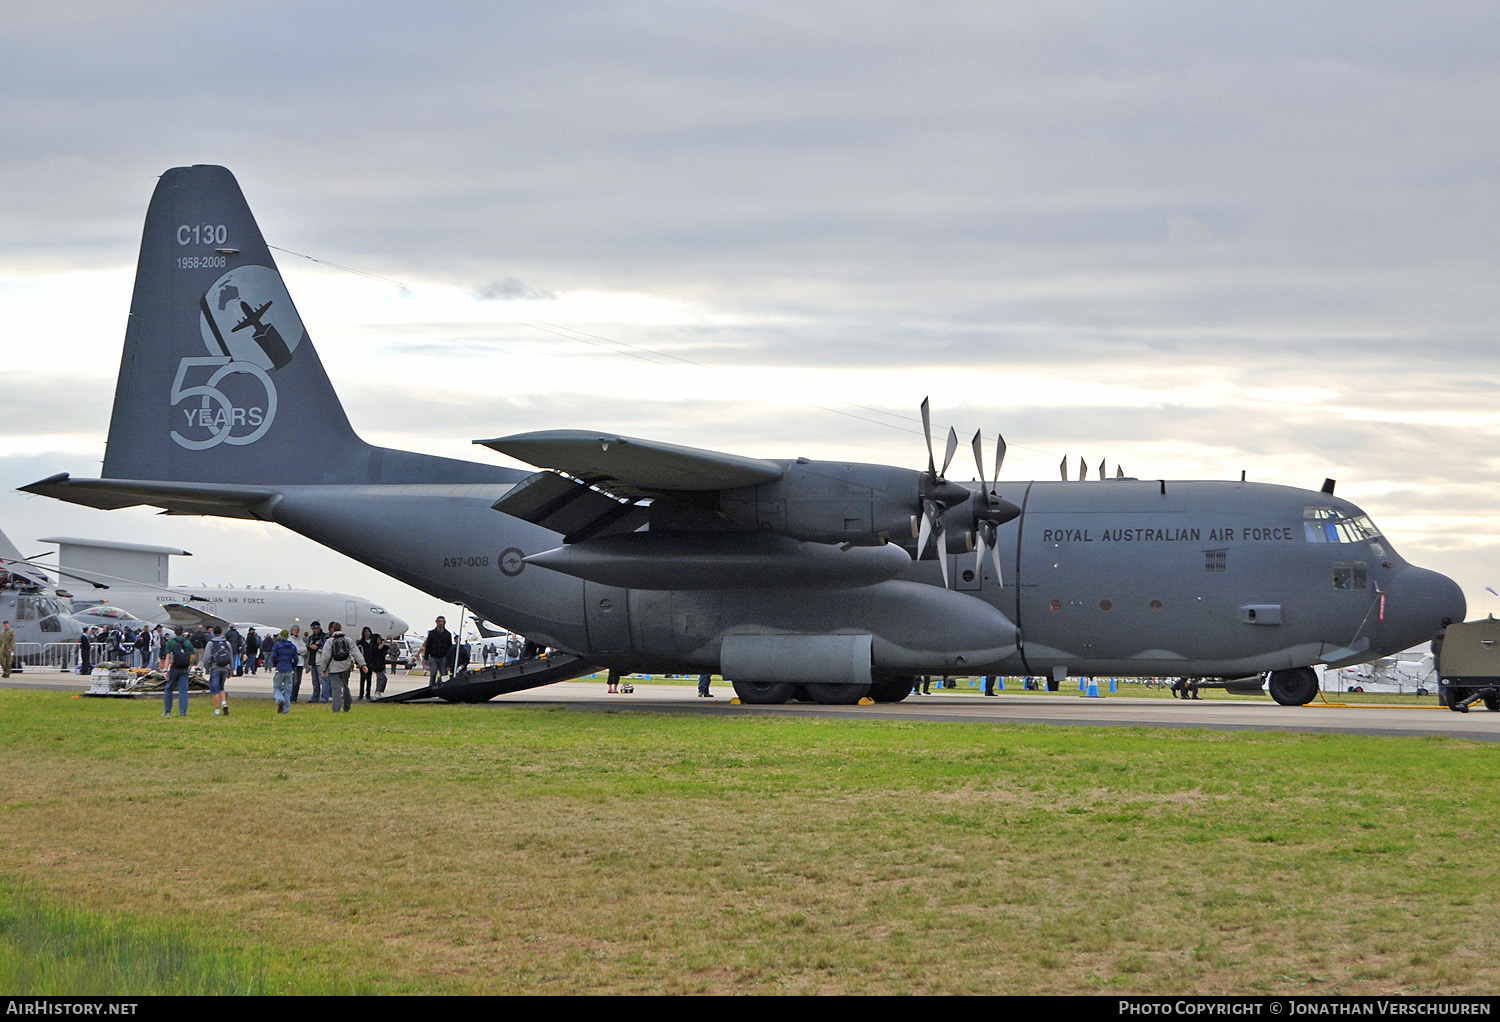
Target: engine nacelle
column 833, row 502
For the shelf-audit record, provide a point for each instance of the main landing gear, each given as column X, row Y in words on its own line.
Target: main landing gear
column 1296, row 687
column 882, row 690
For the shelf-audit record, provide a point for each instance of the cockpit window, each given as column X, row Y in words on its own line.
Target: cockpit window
column 378, row 611
column 1330, row 525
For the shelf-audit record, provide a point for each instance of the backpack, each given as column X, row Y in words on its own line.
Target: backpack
column 222, row 656
column 340, row 647
column 181, row 652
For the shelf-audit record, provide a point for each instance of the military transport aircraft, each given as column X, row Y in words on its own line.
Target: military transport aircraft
column 785, row 575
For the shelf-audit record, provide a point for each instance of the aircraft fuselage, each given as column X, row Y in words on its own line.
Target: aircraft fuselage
column 1120, row 577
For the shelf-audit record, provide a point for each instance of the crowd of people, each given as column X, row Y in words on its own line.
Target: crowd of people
column 323, row 659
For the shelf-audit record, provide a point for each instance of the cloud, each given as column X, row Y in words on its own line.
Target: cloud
column 510, row 290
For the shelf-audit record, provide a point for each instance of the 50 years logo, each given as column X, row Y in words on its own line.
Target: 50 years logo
column 250, row 329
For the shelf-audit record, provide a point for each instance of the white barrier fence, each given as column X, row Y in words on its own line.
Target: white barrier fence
column 54, row 656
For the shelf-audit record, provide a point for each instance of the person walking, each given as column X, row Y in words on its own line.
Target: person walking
column 315, row 639
column 301, row 646
column 179, row 656
column 374, row 648
column 7, row 646
column 237, row 647
column 703, row 680
column 337, row 659
column 436, row 649
column 218, row 661
column 285, row 661
column 366, row 669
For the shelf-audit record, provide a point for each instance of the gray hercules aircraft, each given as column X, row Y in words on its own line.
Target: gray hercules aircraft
column 790, row 577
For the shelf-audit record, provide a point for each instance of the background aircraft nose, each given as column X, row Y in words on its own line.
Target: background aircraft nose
column 1417, row 602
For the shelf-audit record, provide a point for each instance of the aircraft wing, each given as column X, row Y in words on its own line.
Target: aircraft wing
column 180, row 615
column 631, row 463
column 224, row 500
column 601, row 483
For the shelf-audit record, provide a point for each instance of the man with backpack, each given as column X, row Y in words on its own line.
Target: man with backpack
column 218, row 661
column 337, row 659
column 285, row 660
column 179, row 656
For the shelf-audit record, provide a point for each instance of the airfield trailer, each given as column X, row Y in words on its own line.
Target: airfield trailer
column 1468, row 665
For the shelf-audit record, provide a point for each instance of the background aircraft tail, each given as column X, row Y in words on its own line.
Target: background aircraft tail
column 219, row 381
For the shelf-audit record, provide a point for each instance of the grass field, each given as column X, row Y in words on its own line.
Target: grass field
column 509, row 849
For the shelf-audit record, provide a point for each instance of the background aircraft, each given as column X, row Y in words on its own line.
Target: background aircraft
column 777, row 573
column 37, row 611
column 138, row 578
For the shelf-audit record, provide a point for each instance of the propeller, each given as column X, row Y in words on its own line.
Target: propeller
column 993, row 513
column 937, row 493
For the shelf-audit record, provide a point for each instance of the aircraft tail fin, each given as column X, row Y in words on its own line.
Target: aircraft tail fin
column 219, row 382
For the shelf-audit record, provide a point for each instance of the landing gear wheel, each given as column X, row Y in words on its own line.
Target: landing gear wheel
column 837, row 695
column 1296, row 687
column 891, row 690
column 1492, row 703
column 764, row 693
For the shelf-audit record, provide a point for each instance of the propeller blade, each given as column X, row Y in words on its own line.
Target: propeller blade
column 952, row 446
column 924, row 532
column 1119, row 471
column 1101, row 468
column 1083, row 470
column 985, row 537
column 999, row 457
column 927, row 433
column 978, row 455
column 942, row 553
column 1062, row 468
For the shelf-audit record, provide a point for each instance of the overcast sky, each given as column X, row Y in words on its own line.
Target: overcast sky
column 1193, row 239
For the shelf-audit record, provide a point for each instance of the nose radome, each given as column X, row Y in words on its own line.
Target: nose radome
column 1420, row 600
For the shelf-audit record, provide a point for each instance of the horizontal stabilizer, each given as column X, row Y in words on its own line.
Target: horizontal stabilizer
column 625, row 464
column 220, row 499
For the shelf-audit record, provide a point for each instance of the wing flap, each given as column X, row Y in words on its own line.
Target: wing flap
column 571, row 507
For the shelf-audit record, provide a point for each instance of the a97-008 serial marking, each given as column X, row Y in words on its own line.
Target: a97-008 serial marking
column 477, row 561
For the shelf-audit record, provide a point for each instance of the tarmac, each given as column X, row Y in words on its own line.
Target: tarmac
column 960, row 705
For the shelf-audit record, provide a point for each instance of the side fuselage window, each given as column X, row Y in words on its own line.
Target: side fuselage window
column 1350, row 575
